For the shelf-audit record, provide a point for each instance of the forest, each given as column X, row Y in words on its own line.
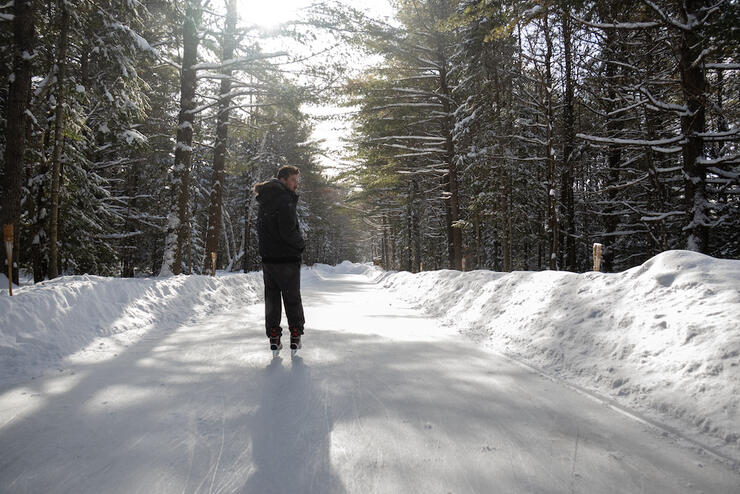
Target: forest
column 481, row 134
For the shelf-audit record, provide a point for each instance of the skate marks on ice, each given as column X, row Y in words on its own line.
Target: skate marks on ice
column 418, row 417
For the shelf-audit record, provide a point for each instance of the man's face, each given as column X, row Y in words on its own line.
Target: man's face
column 291, row 182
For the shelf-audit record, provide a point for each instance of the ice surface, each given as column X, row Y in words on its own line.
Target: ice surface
column 179, row 392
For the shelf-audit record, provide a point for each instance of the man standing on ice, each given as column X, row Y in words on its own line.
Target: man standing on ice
column 281, row 245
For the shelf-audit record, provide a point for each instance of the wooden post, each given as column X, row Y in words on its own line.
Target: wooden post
column 597, row 257
column 213, row 263
column 8, row 237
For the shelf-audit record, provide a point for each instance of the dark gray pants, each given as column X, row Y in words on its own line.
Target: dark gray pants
column 285, row 279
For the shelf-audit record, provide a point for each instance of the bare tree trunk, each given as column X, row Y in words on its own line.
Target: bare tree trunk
column 129, row 244
column 15, row 130
column 177, row 223
column 409, row 222
column 505, row 239
column 61, row 63
column 614, row 151
column 392, row 239
column 566, row 195
column 417, row 229
column 222, row 130
column 386, row 256
column 693, row 82
column 453, row 203
column 510, row 235
column 189, row 242
column 247, row 227
column 39, row 230
column 552, row 221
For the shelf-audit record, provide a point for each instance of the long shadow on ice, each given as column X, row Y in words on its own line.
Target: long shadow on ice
column 291, row 433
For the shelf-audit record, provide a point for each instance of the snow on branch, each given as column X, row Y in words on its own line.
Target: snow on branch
column 237, row 61
column 722, row 66
column 730, row 158
column 617, row 25
column 119, row 236
column 728, row 135
column 693, row 22
column 681, row 109
column 423, row 150
column 434, row 65
column 724, row 173
column 401, row 105
column 440, row 140
column 670, row 20
column 420, row 92
column 633, row 142
column 662, row 216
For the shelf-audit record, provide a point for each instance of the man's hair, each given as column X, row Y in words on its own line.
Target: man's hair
column 287, row 170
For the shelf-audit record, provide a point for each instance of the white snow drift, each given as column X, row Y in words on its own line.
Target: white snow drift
column 663, row 337
column 43, row 323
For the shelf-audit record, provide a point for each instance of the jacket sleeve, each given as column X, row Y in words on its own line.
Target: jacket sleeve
column 288, row 226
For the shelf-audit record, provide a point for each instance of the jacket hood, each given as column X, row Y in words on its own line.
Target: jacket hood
column 271, row 190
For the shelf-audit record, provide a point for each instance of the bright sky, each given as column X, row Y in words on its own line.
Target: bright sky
column 269, row 13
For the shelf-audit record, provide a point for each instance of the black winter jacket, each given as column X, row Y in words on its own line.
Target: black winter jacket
column 280, row 238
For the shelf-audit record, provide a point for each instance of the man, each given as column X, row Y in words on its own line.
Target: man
column 281, row 245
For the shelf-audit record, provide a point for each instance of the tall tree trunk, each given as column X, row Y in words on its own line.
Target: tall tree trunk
column 505, row 239
column 129, row 244
column 693, row 83
column 507, row 225
column 417, row 228
column 38, row 221
column 177, row 221
column 614, row 151
column 454, row 241
column 15, row 130
column 409, row 222
column 392, row 241
column 566, row 193
column 386, row 255
column 222, row 130
column 552, row 220
column 247, row 226
column 56, row 172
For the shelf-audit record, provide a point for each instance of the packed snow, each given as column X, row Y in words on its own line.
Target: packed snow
column 168, row 385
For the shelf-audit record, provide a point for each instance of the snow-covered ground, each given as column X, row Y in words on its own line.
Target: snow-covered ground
column 662, row 338
column 44, row 323
column 167, row 385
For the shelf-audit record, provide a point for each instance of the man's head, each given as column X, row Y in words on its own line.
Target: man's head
column 288, row 175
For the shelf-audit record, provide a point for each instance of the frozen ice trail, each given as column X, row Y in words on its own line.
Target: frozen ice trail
column 381, row 399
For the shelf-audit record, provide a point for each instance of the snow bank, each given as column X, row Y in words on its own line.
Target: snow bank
column 43, row 323
column 346, row 267
column 662, row 338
